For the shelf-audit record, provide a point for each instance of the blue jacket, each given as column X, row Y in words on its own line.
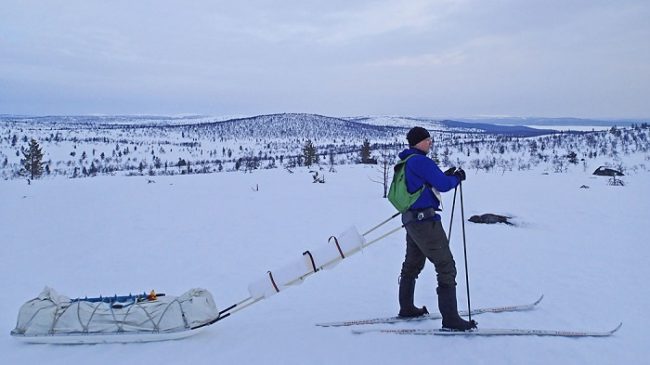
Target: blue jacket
column 422, row 170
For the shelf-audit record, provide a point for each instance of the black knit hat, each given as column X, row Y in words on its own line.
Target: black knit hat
column 417, row 135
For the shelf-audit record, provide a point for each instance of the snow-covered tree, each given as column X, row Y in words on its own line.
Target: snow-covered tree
column 33, row 160
column 365, row 153
column 309, row 153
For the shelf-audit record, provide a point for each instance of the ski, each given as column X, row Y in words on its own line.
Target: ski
column 492, row 332
column 432, row 316
column 109, row 337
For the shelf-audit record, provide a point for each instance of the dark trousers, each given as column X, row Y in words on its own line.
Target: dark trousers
column 427, row 240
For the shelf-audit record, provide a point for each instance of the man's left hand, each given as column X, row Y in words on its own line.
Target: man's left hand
column 460, row 174
column 450, row 171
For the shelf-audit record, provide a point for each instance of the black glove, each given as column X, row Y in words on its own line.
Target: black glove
column 450, row 172
column 460, row 174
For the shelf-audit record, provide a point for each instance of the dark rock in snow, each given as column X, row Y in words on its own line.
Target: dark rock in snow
column 604, row 171
column 490, row 218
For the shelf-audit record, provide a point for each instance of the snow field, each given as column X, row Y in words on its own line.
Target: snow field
column 583, row 248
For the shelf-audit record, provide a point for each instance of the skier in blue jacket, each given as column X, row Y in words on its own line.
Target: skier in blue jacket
column 425, row 236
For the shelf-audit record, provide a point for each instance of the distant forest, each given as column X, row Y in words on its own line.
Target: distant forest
column 76, row 147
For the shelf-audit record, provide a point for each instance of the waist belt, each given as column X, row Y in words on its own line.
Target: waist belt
column 411, row 216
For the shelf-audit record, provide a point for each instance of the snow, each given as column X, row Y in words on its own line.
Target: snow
column 397, row 121
column 582, row 248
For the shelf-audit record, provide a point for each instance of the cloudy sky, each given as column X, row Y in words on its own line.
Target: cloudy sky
column 454, row 58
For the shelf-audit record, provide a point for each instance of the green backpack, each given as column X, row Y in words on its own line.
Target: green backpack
column 398, row 193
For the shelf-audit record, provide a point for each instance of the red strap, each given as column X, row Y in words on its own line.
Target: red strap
column 336, row 241
column 273, row 282
column 313, row 264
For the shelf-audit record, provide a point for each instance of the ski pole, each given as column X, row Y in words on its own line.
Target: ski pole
column 462, row 215
column 451, row 219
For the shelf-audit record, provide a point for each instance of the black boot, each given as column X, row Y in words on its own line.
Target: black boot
column 449, row 310
column 406, row 291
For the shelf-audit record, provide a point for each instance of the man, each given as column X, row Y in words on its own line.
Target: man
column 425, row 236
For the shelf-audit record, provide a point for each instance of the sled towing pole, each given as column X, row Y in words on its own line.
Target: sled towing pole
column 312, row 261
column 382, row 223
column 230, row 310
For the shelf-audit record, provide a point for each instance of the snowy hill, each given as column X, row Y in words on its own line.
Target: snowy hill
column 266, row 126
column 291, row 125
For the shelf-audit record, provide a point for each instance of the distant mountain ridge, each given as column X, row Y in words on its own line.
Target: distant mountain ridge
column 305, row 125
column 296, row 125
column 313, row 126
column 542, row 121
column 514, row 130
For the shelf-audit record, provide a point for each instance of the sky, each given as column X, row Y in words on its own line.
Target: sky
column 451, row 58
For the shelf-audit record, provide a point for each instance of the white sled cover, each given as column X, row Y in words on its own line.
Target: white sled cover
column 324, row 257
column 53, row 314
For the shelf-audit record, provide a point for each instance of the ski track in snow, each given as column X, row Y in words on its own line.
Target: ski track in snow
column 584, row 249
